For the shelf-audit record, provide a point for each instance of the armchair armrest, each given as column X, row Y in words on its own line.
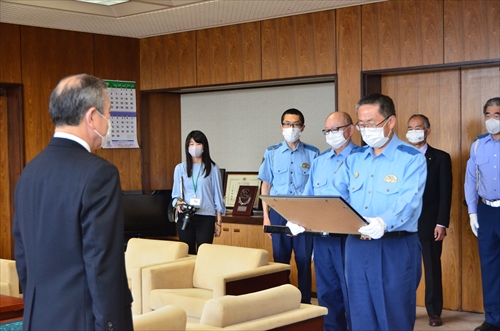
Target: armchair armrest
column 261, row 278
column 164, row 319
column 177, row 274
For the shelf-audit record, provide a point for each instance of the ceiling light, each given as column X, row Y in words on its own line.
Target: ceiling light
column 104, row 2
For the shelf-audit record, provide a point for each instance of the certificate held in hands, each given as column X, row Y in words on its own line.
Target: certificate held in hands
column 319, row 215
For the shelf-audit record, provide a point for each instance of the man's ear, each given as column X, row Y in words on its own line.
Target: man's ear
column 88, row 117
column 303, row 127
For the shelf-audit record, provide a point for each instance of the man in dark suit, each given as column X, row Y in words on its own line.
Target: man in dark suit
column 435, row 216
column 68, row 223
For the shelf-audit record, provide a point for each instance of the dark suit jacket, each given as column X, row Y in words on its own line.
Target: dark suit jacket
column 68, row 230
column 437, row 194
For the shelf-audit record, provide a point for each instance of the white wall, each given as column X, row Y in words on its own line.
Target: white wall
column 241, row 124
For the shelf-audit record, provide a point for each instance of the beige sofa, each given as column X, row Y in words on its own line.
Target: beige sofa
column 276, row 308
column 9, row 281
column 143, row 253
column 218, row 270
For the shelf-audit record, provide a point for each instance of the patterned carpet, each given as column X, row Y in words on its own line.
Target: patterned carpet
column 11, row 326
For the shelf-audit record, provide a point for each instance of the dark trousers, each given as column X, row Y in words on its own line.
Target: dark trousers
column 329, row 262
column 200, row 230
column 489, row 253
column 382, row 278
column 431, row 254
column 302, row 246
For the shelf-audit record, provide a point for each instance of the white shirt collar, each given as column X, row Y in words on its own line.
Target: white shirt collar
column 423, row 149
column 72, row 137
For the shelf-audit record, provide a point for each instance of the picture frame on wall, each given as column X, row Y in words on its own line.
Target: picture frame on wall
column 233, row 182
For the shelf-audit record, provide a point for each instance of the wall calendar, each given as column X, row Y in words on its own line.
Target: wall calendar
column 123, row 114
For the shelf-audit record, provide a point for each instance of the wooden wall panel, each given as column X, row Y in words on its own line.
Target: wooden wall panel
column 228, row 54
column 402, row 34
column 478, row 85
column 47, row 56
column 471, row 30
column 5, row 198
column 122, row 65
column 161, row 137
column 298, row 46
column 10, row 54
column 436, row 95
column 349, row 61
column 168, row 61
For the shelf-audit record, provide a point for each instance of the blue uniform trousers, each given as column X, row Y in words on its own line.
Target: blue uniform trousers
column 382, row 279
column 331, row 288
column 302, row 245
column 489, row 253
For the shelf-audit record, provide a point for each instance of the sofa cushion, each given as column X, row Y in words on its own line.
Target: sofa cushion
column 192, row 300
column 143, row 252
column 216, row 261
column 229, row 310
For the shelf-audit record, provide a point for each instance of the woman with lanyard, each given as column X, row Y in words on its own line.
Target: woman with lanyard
column 198, row 183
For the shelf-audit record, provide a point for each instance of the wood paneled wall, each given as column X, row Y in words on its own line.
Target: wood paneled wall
column 228, row 54
column 10, row 53
column 117, row 58
column 436, row 95
column 5, row 196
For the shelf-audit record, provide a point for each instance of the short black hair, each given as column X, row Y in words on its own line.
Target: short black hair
column 293, row 111
column 385, row 103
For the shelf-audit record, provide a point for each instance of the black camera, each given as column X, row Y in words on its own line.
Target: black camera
column 188, row 210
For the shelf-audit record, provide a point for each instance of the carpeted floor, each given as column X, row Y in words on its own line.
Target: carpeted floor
column 11, row 326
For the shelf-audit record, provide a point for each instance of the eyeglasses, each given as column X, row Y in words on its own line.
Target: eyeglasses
column 370, row 126
column 327, row 131
column 296, row 125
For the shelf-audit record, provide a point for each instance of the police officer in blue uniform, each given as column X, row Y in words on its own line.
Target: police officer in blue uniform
column 285, row 171
column 482, row 180
column 386, row 181
column 329, row 251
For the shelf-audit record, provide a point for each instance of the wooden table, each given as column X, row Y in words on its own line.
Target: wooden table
column 10, row 307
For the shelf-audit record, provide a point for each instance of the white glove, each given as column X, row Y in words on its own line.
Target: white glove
column 474, row 225
column 375, row 229
column 295, row 228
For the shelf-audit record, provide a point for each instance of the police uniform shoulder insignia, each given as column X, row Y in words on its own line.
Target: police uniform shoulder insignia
column 390, row 179
column 305, row 165
column 409, row 149
column 270, row 148
column 481, row 136
column 310, row 147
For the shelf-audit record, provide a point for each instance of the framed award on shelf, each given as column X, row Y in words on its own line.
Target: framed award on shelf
column 233, row 182
column 244, row 201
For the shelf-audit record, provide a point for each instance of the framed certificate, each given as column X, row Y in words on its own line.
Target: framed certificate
column 233, row 182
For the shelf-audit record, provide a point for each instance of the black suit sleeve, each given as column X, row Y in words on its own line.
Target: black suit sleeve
column 445, row 189
column 102, row 233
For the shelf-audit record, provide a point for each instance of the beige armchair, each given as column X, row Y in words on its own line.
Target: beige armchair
column 168, row 318
column 277, row 308
column 9, row 281
column 218, row 270
column 143, row 253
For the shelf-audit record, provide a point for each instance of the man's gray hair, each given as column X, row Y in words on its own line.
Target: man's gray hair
column 73, row 96
column 491, row 102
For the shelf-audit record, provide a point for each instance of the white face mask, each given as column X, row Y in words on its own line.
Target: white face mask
column 493, row 126
column 196, row 151
column 107, row 137
column 335, row 139
column 292, row 134
column 415, row 136
column 374, row 137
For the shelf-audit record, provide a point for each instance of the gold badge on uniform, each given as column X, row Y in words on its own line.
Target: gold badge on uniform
column 356, row 175
column 305, row 165
column 390, row 179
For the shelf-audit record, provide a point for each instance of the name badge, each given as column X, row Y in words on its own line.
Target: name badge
column 195, row 202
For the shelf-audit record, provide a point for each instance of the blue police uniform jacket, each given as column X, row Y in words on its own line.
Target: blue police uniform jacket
column 483, row 166
column 323, row 173
column 389, row 185
column 287, row 171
